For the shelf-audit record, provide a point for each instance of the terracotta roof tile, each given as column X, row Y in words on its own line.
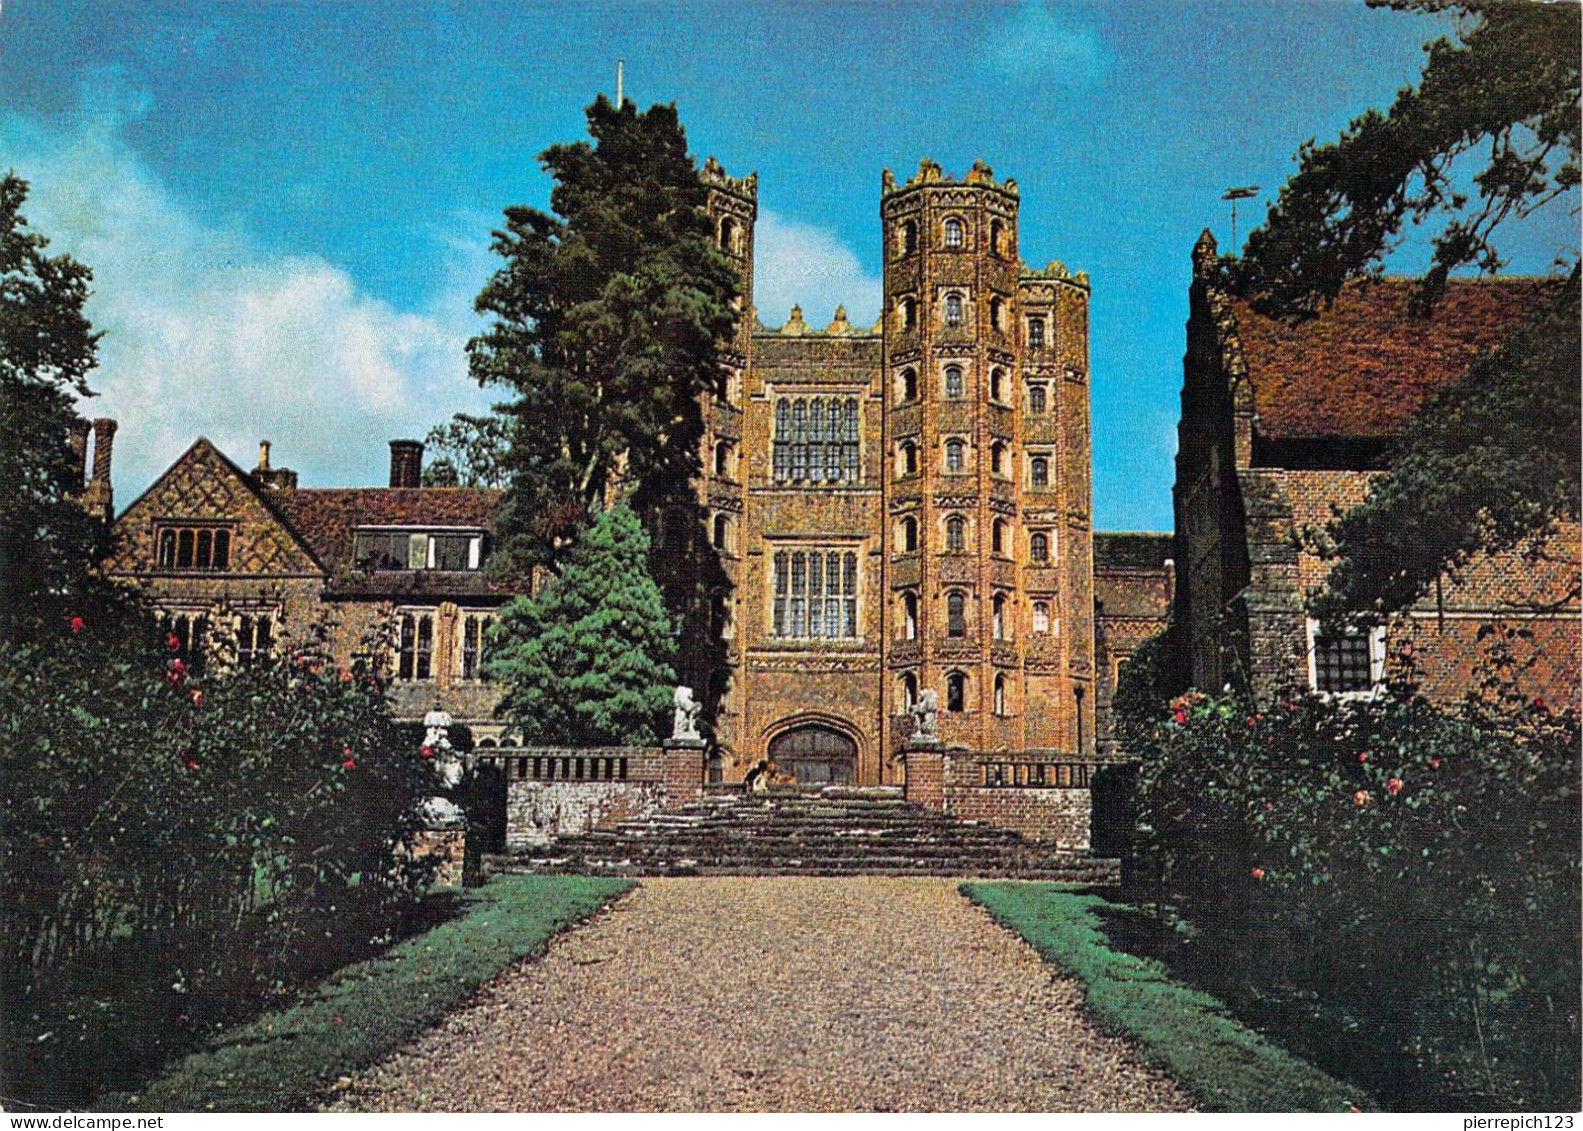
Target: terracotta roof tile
column 1367, row 364
column 325, row 517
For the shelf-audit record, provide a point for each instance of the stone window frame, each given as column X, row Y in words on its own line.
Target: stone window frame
column 813, row 434
column 956, row 450
column 997, row 238
column 999, row 464
column 1037, row 538
column 907, row 386
column 907, row 691
column 907, row 314
column 1374, row 638
column 730, row 235
column 1042, row 388
column 1000, row 538
column 782, row 607
column 1002, row 607
column 415, row 648
column 1000, row 696
column 471, row 626
column 219, row 536
column 946, row 384
column 722, row 534
column 998, row 305
column 906, row 238
column 953, row 309
column 1036, row 458
column 998, row 384
column 906, row 458
column 907, row 541
column 956, row 532
column 1037, row 338
column 725, row 460
column 957, row 685
column 1042, row 608
column 910, row 607
column 957, row 619
column 953, row 233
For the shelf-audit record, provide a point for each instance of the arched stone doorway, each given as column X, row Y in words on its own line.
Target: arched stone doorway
column 817, row 755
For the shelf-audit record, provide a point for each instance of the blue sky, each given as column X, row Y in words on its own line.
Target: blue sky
column 287, row 206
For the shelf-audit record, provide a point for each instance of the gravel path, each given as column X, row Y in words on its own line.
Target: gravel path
column 774, row 994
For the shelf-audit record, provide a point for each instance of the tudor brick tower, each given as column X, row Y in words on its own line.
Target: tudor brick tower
column 987, row 557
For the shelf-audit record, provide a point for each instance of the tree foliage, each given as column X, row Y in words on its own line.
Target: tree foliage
column 588, row 660
column 1508, row 82
column 607, row 318
column 47, row 347
column 471, row 451
column 1495, row 457
column 1488, row 465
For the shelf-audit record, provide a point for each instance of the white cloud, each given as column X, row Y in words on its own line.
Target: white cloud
column 809, row 266
column 208, row 333
column 1038, row 40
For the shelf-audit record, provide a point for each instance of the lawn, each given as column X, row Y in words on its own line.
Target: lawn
column 1188, row 1034
column 287, row 1060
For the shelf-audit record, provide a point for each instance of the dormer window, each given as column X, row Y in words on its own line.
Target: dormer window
column 439, row 549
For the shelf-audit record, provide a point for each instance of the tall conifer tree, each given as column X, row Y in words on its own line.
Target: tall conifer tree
column 607, row 317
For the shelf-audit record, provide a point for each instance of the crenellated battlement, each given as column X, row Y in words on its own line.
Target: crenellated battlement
column 930, row 173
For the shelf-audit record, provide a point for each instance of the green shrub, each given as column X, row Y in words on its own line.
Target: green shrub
column 1413, row 874
column 172, row 847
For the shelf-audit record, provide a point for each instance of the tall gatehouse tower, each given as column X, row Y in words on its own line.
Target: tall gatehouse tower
column 900, row 507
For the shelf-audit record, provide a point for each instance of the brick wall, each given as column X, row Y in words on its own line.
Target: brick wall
column 1060, row 818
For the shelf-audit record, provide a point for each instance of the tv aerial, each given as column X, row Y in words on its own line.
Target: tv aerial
column 1240, row 192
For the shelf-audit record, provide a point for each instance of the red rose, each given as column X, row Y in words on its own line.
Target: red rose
column 1393, row 786
column 1434, row 763
column 197, row 698
column 173, row 642
column 1258, row 873
column 77, row 624
column 428, row 751
column 1361, row 797
column 349, row 764
column 1363, row 756
column 192, row 763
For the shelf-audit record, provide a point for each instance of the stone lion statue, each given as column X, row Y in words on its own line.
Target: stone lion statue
column 684, row 721
column 926, row 714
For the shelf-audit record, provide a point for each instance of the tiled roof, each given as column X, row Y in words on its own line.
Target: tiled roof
column 1131, row 550
column 1367, row 364
column 325, row 517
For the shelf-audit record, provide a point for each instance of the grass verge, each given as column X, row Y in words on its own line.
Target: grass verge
column 285, row 1061
column 1187, row 1033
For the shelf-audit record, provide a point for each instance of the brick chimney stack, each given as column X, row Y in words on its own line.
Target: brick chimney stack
column 99, row 498
column 273, row 478
column 406, row 463
column 79, row 446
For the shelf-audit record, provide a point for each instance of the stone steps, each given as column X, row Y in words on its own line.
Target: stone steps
column 840, row 830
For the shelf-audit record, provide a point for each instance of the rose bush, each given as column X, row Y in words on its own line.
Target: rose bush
column 172, row 845
column 1410, row 872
